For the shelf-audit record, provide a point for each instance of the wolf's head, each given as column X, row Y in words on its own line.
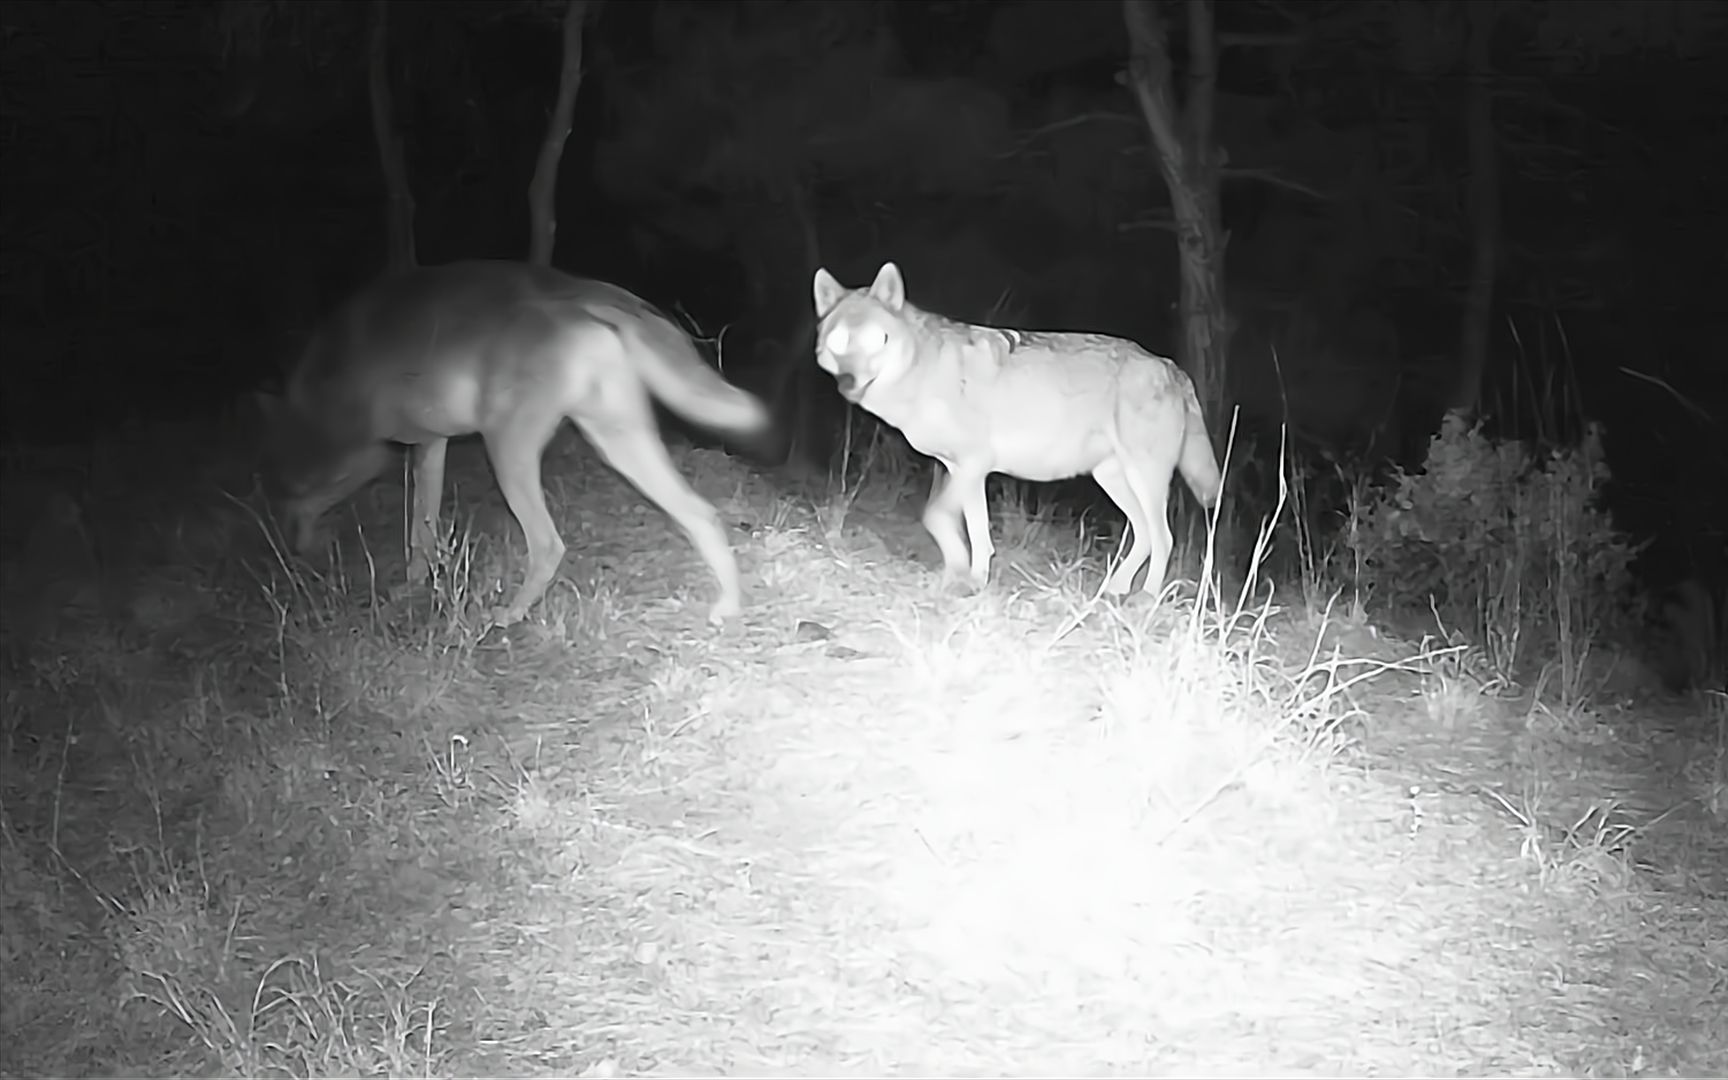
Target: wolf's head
column 863, row 336
column 311, row 461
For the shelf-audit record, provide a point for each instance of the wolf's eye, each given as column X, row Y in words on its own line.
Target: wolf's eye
column 872, row 340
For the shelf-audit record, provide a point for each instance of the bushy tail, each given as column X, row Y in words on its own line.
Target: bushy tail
column 675, row 374
column 1197, row 464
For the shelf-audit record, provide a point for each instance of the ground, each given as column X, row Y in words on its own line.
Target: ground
column 259, row 820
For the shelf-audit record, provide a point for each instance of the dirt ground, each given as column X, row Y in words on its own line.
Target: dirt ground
column 259, row 821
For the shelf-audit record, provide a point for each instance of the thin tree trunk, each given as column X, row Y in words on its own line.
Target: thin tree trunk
column 399, row 200
column 1191, row 164
column 1201, row 241
column 543, row 189
column 1484, row 208
column 791, row 396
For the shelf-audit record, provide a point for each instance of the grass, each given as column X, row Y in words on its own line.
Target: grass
column 260, row 821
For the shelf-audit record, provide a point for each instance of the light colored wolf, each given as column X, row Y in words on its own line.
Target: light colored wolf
column 507, row 351
column 1038, row 406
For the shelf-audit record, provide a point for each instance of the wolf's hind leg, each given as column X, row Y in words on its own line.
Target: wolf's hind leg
column 516, row 459
column 1153, row 491
column 635, row 450
column 1113, row 478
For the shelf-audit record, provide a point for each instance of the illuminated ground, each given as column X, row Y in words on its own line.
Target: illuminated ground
column 869, row 831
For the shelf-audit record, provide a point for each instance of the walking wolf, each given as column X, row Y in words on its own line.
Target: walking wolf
column 506, row 351
column 1038, row 406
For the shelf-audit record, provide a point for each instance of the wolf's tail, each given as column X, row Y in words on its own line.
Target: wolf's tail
column 677, row 377
column 1197, row 464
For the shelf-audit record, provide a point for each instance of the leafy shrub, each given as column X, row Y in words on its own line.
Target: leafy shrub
column 1501, row 542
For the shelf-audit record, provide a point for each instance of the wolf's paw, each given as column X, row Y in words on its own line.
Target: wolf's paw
column 727, row 607
column 1118, row 587
column 961, row 583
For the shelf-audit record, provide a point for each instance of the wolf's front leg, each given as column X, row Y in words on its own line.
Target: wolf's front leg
column 942, row 521
column 428, row 460
column 976, row 511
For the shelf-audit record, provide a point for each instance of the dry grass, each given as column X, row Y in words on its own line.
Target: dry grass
column 259, row 820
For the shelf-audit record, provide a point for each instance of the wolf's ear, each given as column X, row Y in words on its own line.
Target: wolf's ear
column 827, row 291
column 889, row 289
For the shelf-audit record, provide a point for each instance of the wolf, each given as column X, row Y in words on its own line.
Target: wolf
column 1035, row 405
column 507, row 351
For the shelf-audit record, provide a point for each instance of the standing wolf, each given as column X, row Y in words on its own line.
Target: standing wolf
column 506, row 351
column 1039, row 406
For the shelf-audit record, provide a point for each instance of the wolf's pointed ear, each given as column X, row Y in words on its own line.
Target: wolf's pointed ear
column 889, row 288
column 827, row 291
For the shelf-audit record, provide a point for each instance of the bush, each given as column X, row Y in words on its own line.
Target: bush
column 1502, row 543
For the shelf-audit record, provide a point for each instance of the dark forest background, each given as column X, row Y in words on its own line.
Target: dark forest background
column 186, row 186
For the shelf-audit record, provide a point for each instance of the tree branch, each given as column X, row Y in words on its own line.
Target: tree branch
column 1075, row 121
column 543, row 187
column 1260, row 41
column 1275, row 179
column 1149, row 75
column 1164, row 223
column 399, row 197
column 1202, row 71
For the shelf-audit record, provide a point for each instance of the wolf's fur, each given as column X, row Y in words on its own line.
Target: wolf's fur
column 506, row 351
column 1038, row 406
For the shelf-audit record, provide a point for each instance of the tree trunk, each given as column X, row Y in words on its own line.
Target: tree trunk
column 543, row 189
column 1191, row 164
column 792, row 400
column 399, row 200
column 1201, row 241
column 1484, row 209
